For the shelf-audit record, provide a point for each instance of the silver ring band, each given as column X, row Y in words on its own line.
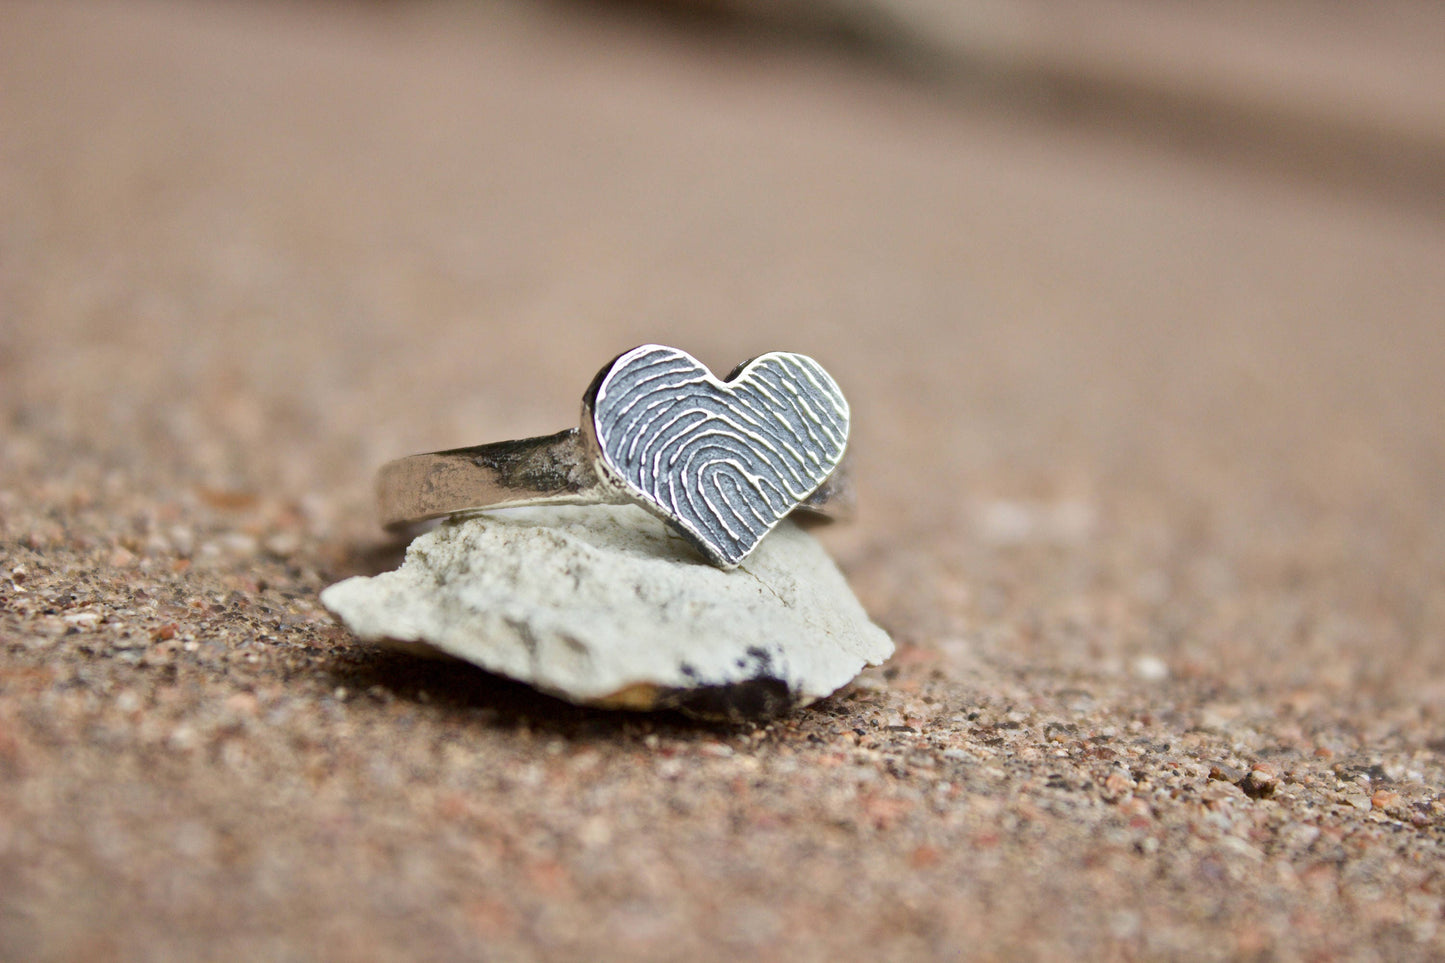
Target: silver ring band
column 721, row 461
column 550, row 470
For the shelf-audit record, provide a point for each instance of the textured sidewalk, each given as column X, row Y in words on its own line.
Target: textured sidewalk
column 1152, row 453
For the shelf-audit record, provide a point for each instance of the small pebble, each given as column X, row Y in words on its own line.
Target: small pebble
column 283, row 544
column 237, row 543
column 1219, row 772
column 1151, row 668
column 1384, row 799
column 1118, row 786
column 1261, row 781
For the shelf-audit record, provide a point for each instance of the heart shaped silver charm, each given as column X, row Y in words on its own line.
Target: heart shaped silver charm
column 722, row 462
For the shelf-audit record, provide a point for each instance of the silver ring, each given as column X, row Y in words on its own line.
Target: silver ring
column 721, row 462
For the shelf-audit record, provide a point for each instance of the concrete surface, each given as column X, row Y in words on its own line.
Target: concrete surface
column 1151, row 456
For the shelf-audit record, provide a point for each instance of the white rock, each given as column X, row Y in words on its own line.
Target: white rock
column 604, row 606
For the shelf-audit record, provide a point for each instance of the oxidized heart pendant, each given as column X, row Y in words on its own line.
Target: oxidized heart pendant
column 721, row 461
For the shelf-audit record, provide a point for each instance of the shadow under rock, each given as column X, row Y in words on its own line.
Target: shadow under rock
column 474, row 695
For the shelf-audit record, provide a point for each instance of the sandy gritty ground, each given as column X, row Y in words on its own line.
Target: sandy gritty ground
column 1152, row 449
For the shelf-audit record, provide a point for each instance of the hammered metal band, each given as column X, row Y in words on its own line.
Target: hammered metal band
column 722, row 462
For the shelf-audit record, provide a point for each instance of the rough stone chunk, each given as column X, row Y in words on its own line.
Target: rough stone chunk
column 605, row 606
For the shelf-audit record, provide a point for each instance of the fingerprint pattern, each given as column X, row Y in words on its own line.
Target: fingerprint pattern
column 723, row 461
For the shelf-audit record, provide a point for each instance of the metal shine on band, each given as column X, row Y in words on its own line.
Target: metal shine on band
column 722, row 462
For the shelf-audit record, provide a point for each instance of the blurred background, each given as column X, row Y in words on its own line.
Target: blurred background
column 1140, row 306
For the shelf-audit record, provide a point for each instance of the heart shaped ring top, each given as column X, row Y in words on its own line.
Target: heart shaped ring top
column 720, row 461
